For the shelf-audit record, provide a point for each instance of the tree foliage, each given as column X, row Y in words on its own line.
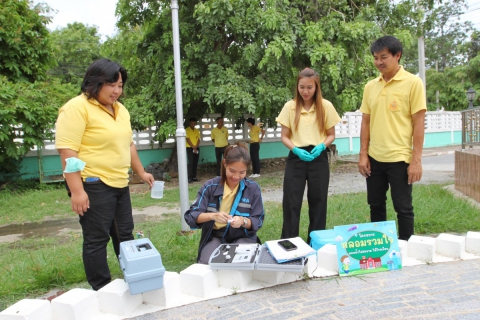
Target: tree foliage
column 25, row 48
column 75, row 48
column 27, row 117
column 243, row 56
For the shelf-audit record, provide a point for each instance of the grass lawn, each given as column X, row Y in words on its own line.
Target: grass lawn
column 32, row 266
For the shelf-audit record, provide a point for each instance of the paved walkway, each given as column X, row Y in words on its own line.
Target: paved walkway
column 449, row 290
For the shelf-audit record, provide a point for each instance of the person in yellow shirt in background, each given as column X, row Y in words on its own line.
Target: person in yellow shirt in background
column 255, row 140
column 391, row 135
column 220, row 138
column 308, row 128
column 193, row 150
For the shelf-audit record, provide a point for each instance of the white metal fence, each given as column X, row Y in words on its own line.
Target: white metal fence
column 349, row 127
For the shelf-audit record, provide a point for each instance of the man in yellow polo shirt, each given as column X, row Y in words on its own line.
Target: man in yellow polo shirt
column 392, row 133
column 220, row 138
column 193, row 151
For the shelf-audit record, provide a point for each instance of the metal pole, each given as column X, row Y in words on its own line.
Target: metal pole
column 180, row 132
column 421, row 62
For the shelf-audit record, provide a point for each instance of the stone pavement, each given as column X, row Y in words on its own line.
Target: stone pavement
column 449, row 290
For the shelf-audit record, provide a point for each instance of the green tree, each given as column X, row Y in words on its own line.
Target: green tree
column 243, row 56
column 25, row 47
column 75, row 48
column 445, row 41
column 27, row 117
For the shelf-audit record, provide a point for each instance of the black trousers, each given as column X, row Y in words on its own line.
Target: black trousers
column 219, row 155
column 255, row 157
column 192, row 159
column 297, row 173
column 394, row 174
column 109, row 217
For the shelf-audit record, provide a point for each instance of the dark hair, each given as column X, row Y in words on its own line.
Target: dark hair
column 234, row 153
column 100, row 72
column 218, row 118
column 251, row 120
column 392, row 44
column 317, row 98
column 193, row 119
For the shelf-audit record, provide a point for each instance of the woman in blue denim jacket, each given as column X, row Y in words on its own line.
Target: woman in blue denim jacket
column 228, row 208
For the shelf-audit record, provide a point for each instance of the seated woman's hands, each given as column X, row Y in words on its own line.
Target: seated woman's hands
column 222, row 217
column 236, row 222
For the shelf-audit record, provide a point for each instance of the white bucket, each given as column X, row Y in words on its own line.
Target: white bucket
column 157, row 189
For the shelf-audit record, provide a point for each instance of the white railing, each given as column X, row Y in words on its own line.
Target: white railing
column 349, row 127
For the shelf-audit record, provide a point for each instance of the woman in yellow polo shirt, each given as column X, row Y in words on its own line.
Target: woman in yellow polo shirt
column 308, row 128
column 94, row 139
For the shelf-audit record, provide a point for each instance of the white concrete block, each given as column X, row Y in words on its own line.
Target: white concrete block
column 450, row 245
column 421, row 248
column 311, row 265
column 198, row 280
column 169, row 295
column 327, row 257
column 28, row 309
column 76, row 304
column 290, row 277
column 403, row 246
column 268, row 277
column 472, row 243
column 115, row 298
column 234, row 279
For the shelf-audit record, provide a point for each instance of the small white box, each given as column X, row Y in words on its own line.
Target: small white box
column 167, row 296
column 198, row 280
column 327, row 257
column 421, row 248
column 472, row 244
column 28, row 309
column 76, row 304
column 451, row 246
column 115, row 298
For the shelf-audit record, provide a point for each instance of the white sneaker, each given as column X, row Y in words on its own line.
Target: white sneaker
column 252, row 175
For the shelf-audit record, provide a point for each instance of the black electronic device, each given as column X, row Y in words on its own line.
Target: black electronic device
column 287, row 245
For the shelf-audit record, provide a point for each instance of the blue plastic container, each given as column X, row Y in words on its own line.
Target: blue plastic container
column 141, row 265
column 320, row 238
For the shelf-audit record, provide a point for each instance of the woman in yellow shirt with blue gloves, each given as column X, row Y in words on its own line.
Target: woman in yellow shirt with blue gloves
column 308, row 128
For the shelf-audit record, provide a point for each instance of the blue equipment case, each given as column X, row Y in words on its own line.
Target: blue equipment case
column 141, row 265
column 320, row 238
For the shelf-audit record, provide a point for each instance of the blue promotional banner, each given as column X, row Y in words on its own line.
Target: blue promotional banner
column 367, row 248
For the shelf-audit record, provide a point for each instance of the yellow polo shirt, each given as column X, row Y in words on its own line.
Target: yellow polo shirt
column 220, row 136
column 101, row 139
column 307, row 133
column 255, row 133
column 390, row 106
column 193, row 135
column 226, row 203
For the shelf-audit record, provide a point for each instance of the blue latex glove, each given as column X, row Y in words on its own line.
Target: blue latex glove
column 303, row 154
column 317, row 150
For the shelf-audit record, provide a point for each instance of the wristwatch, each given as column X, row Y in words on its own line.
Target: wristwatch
column 245, row 221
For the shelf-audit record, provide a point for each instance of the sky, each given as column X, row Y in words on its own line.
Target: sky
column 102, row 14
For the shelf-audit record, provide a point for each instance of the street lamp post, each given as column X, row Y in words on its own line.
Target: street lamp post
column 470, row 97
